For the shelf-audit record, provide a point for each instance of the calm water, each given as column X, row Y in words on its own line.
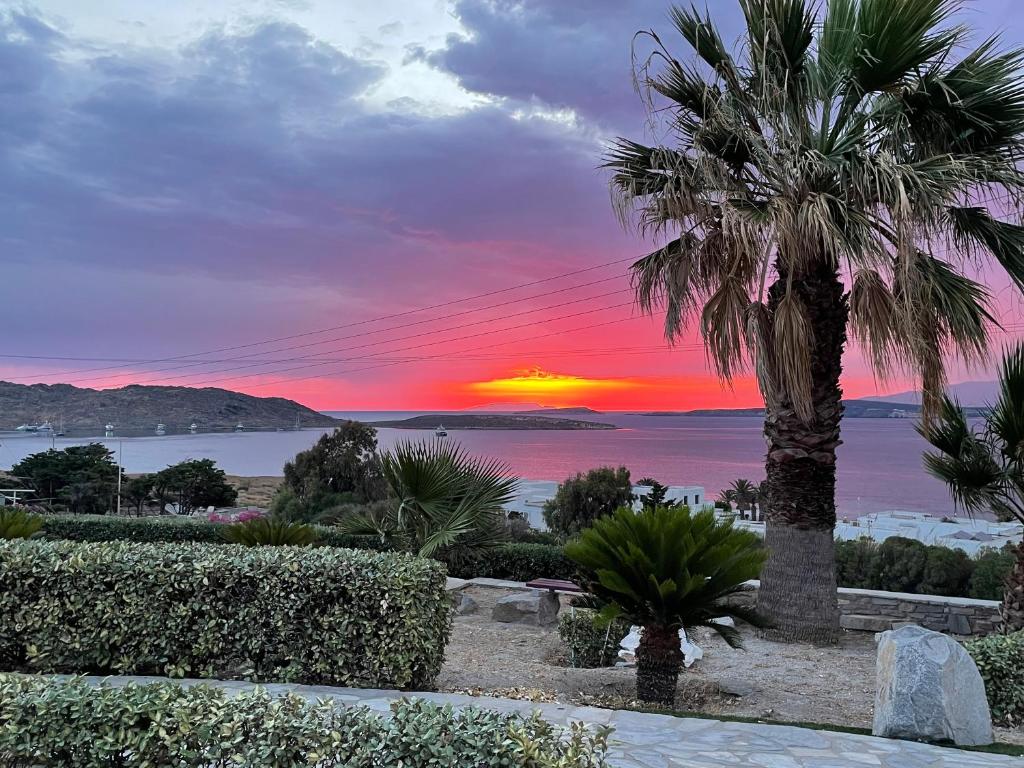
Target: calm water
column 879, row 462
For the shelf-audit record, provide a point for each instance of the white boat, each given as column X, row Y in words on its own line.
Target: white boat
column 44, row 427
column 193, row 427
column 108, row 430
column 441, row 431
column 239, row 427
column 161, row 429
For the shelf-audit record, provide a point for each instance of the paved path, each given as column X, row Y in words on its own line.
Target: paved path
column 660, row 741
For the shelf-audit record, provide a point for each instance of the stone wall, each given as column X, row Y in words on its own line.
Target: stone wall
column 870, row 610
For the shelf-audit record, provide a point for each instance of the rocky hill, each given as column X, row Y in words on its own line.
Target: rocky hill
column 141, row 408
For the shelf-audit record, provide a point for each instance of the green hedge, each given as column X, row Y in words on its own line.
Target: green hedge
column 289, row 614
column 74, row 725
column 590, row 640
column 1000, row 659
column 519, row 562
column 171, row 529
column 899, row 564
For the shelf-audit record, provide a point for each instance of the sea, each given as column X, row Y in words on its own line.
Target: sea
column 879, row 462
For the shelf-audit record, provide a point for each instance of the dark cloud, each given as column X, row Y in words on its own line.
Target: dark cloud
column 252, row 157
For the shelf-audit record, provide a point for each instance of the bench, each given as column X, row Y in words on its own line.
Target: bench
column 554, row 585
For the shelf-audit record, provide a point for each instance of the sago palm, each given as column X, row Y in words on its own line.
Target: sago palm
column 829, row 173
column 666, row 569
column 446, row 502
column 984, row 469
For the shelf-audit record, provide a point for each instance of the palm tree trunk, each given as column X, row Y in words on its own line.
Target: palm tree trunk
column 1012, row 610
column 798, row 583
column 658, row 661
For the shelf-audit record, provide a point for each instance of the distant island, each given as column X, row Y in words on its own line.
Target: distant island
column 490, row 421
column 578, row 410
column 140, row 408
column 854, row 409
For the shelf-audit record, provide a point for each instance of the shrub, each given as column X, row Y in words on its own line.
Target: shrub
column 946, row 572
column 16, row 523
column 519, row 562
column 80, row 478
column 582, row 499
column 70, row 723
column 193, row 484
column 856, row 563
column 900, row 564
column 991, row 569
column 320, row 616
column 592, row 640
column 1000, row 659
column 269, row 531
column 342, row 462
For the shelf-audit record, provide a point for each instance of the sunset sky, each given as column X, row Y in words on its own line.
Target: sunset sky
column 359, row 205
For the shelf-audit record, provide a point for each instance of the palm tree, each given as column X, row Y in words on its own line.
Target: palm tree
column 828, row 176
column 985, row 469
column 446, row 502
column 665, row 570
column 744, row 493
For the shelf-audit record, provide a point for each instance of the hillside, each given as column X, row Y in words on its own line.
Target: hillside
column 488, row 421
column 140, row 408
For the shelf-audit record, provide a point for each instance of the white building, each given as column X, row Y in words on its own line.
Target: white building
column 969, row 534
column 533, row 494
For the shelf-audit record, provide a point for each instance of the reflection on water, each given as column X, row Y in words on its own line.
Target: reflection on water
column 879, row 462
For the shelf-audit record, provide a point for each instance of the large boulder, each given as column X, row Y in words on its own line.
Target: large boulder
column 928, row 688
column 536, row 608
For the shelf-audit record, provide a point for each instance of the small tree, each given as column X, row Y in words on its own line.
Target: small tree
column 582, row 499
column 195, row 483
column 138, row 491
column 342, row 462
column 80, row 478
column 666, row 570
column 984, row 469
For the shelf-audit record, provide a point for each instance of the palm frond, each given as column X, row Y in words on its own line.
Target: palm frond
column 794, row 338
column 975, row 226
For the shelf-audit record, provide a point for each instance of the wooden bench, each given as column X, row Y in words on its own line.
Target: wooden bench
column 554, row 585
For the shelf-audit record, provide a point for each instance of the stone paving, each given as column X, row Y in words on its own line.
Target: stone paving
column 642, row 740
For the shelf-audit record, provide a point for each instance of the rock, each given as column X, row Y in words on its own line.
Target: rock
column 959, row 624
column 453, row 585
column 866, row 623
column 536, row 608
column 735, row 687
column 464, row 604
column 928, row 688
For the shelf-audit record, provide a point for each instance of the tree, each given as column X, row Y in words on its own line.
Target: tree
column 665, row 570
column 137, row 491
column 984, row 468
column 341, row 467
column 446, row 504
column 194, row 484
column 580, row 500
column 744, row 494
column 848, row 145
column 80, row 478
column 656, row 496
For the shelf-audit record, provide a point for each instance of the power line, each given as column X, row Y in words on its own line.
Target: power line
column 381, row 318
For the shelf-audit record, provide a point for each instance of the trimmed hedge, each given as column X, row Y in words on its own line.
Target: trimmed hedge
column 519, row 562
column 1000, row 660
column 75, row 725
column 161, row 529
column 283, row 614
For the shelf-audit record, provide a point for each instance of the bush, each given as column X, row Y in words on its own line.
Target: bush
column 856, row 563
column 320, row 616
column 73, row 724
column 1000, row 659
column 518, row 562
column 946, row 572
column 16, row 523
column 270, row 531
column 991, row 569
column 582, row 499
column 592, row 640
column 900, row 564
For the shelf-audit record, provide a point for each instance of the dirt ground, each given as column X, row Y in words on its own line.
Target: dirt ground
column 776, row 681
column 256, row 491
